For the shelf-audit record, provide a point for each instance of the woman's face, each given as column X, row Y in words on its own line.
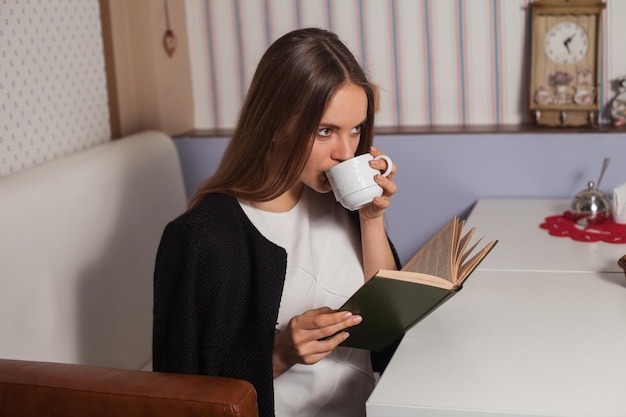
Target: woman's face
column 337, row 136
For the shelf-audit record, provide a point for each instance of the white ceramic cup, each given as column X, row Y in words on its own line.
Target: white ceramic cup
column 619, row 204
column 353, row 180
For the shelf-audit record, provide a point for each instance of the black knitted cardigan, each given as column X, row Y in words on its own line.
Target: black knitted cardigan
column 217, row 289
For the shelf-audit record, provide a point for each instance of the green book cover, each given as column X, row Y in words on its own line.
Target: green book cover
column 389, row 308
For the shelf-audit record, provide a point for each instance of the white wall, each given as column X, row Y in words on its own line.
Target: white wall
column 53, row 93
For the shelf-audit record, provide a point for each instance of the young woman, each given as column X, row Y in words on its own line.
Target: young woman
column 247, row 280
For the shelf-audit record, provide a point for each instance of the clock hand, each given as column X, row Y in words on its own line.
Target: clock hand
column 567, row 42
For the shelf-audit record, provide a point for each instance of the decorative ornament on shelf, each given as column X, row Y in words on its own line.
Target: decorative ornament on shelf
column 565, row 61
column 618, row 104
column 543, row 96
column 169, row 39
column 584, row 74
column 585, row 92
column 560, row 80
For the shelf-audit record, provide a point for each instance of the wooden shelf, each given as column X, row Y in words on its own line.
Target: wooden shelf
column 447, row 130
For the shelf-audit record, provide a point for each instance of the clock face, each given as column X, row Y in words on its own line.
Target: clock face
column 566, row 43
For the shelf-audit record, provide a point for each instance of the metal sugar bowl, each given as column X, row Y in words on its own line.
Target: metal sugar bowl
column 591, row 206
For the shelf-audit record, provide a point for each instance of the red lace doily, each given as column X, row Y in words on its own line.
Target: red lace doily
column 563, row 226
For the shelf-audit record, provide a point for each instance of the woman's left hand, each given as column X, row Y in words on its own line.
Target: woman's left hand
column 380, row 204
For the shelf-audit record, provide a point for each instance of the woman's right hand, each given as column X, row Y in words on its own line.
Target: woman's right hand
column 306, row 338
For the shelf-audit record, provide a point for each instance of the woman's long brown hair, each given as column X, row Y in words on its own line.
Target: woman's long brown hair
column 291, row 88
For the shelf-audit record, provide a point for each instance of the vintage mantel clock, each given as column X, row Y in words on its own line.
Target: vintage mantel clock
column 565, row 61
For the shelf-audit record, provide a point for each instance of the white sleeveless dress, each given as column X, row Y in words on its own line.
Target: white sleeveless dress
column 323, row 269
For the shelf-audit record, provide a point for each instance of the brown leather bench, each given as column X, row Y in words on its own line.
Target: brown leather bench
column 46, row 389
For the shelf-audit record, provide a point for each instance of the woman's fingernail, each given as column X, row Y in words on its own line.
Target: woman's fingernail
column 347, row 315
column 357, row 319
column 373, row 149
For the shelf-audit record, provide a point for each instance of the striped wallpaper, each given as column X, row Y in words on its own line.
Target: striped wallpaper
column 443, row 62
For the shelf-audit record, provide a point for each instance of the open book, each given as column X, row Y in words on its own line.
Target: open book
column 392, row 302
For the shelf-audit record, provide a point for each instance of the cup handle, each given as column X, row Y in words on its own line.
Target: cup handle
column 389, row 164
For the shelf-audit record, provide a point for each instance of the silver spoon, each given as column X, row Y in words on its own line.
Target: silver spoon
column 605, row 164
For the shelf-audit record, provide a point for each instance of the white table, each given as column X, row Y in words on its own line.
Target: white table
column 524, row 246
column 519, row 339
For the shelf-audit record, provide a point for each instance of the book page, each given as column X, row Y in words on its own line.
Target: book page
column 469, row 266
column 462, row 251
column 436, row 257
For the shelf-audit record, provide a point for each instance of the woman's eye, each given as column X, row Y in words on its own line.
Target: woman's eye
column 324, row 132
column 357, row 129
